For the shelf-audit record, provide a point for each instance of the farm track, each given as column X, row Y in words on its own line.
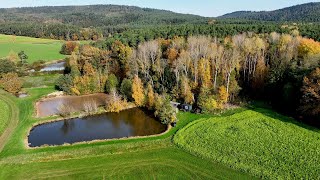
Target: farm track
column 13, row 121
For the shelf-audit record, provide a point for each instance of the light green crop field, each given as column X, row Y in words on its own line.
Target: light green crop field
column 35, row 48
column 4, row 115
column 259, row 142
column 143, row 158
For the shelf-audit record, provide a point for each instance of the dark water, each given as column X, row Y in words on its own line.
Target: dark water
column 128, row 123
column 51, row 106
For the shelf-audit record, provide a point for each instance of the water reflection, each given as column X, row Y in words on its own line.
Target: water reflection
column 51, row 106
column 128, row 123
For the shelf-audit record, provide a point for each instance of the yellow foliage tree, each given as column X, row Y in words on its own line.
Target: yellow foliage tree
column 186, row 92
column 223, row 95
column 309, row 47
column 137, row 91
column 151, row 97
column 115, row 102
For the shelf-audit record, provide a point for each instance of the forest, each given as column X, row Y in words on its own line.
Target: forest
column 308, row 12
column 209, row 72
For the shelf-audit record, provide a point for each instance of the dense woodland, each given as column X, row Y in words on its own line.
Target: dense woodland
column 207, row 72
column 309, row 12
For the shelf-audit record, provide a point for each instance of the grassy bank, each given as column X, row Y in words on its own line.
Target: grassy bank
column 4, row 115
column 257, row 141
column 150, row 157
column 35, row 48
column 39, row 81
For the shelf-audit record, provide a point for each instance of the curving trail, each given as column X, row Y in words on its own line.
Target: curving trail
column 13, row 118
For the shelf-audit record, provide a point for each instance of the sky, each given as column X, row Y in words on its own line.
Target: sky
column 209, row 8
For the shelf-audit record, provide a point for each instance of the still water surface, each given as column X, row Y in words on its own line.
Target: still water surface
column 50, row 106
column 128, row 123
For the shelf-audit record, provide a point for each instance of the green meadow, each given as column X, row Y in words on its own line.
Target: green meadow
column 258, row 141
column 143, row 158
column 35, row 48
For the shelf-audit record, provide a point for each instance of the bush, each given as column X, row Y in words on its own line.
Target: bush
column 11, row 83
column 7, row 66
column 65, row 83
column 90, row 107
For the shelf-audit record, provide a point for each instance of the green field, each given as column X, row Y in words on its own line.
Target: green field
column 238, row 144
column 4, row 115
column 257, row 141
column 35, row 48
column 146, row 158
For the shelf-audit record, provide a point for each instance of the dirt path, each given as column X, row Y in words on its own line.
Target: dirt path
column 14, row 118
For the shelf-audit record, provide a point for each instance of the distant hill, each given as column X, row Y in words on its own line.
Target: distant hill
column 309, row 12
column 96, row 15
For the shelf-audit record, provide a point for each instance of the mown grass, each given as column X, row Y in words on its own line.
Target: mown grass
column 146, row 158
column 4, row 115
column 259, row 142
column 35, row 48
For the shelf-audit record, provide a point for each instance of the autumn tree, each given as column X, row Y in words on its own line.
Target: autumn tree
column 11, row 82
column 207, row 101
column 150, row 97
column 223, row 95
column 186, row 92
column 122, row 53
column 68, row 47
column 114, row 103
column 311, row 94
column 138, row 92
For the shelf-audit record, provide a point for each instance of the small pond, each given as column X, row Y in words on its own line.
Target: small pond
column 50, row 106
column 58, row 66
column 128, row 123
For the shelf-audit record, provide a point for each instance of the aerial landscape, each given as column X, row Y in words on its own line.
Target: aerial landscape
column 139, row 89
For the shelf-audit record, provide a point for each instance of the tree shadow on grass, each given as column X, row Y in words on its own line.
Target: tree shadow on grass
column 268, row 111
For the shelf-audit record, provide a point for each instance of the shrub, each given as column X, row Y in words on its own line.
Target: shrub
column 7, row 66
column 11, row 83
column 65, row 83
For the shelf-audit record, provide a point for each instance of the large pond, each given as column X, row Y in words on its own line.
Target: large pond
column 51, row 106
column 128, row 123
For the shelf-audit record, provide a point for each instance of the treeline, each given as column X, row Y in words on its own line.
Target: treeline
column 51, row 31
column 203, row 71
column 309, row 12
column 219, row 29
column 85, row 22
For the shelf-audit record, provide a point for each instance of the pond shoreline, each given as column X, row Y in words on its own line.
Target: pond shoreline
column 26, row 140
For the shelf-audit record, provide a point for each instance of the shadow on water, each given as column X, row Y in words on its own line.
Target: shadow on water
column 128, row 123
